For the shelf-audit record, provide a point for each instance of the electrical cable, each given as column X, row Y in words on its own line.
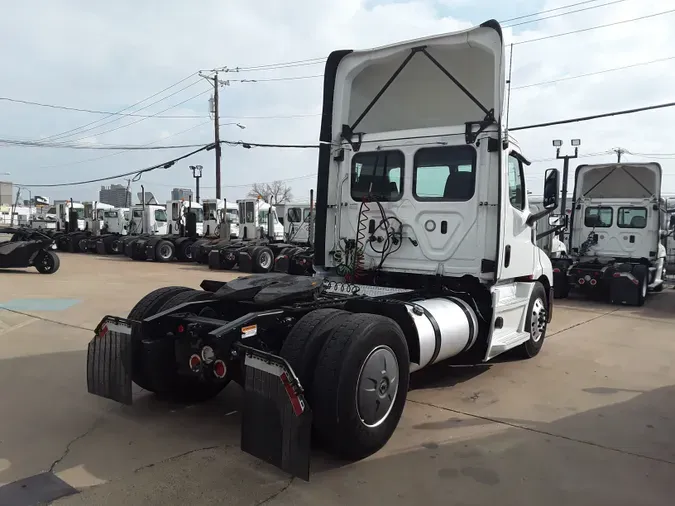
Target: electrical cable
column 314, row 61
column 136, row 173
column 596, row 27
column 92, row 111
column 76, row 129
column 119, row 152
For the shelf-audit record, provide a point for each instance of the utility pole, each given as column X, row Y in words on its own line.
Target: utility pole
column 619, row 152
column 197, row 174
column 216, row 83
column 566, row 168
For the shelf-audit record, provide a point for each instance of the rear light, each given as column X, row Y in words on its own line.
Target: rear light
column 180, row 329
column 219, row 369
column 593, row 282
column 195, row 363
column 556, row 270
column 635, row 281
column 617, row 274
column 581, row 281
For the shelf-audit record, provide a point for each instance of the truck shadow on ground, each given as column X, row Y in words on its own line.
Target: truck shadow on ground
column 620, row 454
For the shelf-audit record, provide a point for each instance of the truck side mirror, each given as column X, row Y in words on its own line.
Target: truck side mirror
column 551, row 188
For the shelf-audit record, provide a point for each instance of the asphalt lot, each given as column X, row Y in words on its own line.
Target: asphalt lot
column 590, row 421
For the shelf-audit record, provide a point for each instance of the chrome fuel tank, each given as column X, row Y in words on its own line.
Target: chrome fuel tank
column 446, row 327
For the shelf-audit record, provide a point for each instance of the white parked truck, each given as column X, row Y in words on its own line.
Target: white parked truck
column 423, row 253
column 618, row 232
column 215, row 215
column 296, row 222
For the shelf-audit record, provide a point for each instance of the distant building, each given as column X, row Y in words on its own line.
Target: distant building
column 181, row 194
column 6, row 193
column 115, row 195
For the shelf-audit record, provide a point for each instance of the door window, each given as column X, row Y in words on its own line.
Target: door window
column 516, row 186
column 377, row 174
column 632, row 217
column 598, row 217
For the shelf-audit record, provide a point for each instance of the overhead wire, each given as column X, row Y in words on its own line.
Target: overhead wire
column 314, row 61
column 136, row 173
column 61, row 134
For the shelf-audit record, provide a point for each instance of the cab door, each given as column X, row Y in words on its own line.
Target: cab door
column 517, row 256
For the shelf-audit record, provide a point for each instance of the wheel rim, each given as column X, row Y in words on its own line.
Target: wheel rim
column 165, row 251
column 265, row 260
column 83, row 244
column 47, row 264
column 377, row 386
column 538, row 320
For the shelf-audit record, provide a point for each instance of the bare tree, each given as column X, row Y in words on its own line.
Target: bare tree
column 275, row 193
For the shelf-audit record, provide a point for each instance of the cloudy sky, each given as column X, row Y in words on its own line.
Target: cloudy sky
column 107, row 56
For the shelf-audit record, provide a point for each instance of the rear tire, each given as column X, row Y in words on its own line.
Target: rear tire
column 164, row 251
column 352, row 419
column 48, row 263
column 263, row 259
column 147, row 306
column 535, row 322
column 305, row 341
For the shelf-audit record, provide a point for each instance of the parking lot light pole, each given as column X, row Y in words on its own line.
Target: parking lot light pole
column 197, row 174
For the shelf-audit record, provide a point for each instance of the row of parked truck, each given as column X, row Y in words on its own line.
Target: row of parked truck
column 249, row 234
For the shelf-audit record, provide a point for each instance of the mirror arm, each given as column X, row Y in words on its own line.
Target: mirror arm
column 531, row 219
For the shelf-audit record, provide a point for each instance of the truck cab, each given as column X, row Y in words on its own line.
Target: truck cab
column 177, row 209
column 155, row 223
column 618, row 231
column 255, row 216
column 116, row 221
column 214, row 216
column 296, row 222
column 424, row 252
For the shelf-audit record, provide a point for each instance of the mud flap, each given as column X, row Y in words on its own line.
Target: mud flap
column 109, row 360
column 214, row 259
column 245, row 261
column 277, row 421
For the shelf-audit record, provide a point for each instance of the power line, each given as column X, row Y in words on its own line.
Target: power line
column 595, row 116
column 59, row 135
column 564, row 13
column 119, row 152
column 614, row 69
column 136, row 173
column 315, row 61
column 141, row 119
column 245, row 185
column 91, row 111
column 597, row 27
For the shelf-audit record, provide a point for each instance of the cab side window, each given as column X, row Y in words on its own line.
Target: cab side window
column 516, row 186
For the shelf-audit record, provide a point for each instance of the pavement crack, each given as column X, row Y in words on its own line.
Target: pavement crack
column 48, row 320
column 583, row 323
column 71, row 443
column 543, row 432
column 177, row 456
column 276, row 494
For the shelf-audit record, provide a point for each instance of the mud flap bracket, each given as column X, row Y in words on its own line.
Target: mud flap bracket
column 276, row 420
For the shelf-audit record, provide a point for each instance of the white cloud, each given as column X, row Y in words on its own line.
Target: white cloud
column 109, row 56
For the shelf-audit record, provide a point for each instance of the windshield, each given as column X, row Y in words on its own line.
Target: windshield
column 199, row 212
column 110, row 214
column 160, row 215
column 233, row 216
column 80, row 213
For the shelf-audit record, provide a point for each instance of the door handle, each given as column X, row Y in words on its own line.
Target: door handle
column 507, row 255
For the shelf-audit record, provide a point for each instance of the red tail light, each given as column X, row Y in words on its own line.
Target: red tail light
column 195, row 363
column 219, row 369
column 582, row 281
column 556, row 270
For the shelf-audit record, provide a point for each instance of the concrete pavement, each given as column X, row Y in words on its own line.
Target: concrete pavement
column 589, row 421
